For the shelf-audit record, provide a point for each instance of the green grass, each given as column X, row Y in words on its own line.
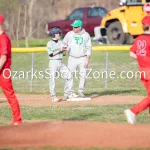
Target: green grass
column 117, row 61
column 42, row 43
column 32, row 43
column 106, row 113
column 37, row 43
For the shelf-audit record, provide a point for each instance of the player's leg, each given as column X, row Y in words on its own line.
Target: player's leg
column 6, row 85
column 54, row 64
column 83, row 71
column 145, row 103
column 67, row 76
column 72, row 66
column 142, row 105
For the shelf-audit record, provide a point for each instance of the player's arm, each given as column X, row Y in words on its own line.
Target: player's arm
column 55, row 53
column 65, row 44
column 66, row 40
column 4, row 53
column 51, row 51
column 133, row 55
column 3, row 60
column 64, row 49
column 88, row 45
column 133, row 50
column 87, row 61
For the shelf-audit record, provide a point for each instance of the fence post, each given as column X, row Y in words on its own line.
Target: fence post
column 32, row 71
column 106, row 69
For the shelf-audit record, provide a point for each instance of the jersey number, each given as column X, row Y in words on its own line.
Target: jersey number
column 141, row 47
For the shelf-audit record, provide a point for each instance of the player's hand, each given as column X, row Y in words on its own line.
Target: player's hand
column 64, row 48
column 64, row 53
column 86, row 64
column 60, row 51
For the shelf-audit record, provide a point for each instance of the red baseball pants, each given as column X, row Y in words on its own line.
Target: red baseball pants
column 6, row 85
column 145, row 103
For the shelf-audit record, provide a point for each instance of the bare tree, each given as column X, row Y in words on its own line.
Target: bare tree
column 24, row 16
column 18, row 28
column 25, row 20
column 28, row 27
column 30, row 10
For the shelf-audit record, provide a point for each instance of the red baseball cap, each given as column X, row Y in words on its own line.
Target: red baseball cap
column 146, row 20
column 1, row 18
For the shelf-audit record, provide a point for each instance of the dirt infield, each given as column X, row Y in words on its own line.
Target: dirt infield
column 76, row 134
column 73, row 133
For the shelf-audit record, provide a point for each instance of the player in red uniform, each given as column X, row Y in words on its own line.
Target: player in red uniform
column 6, row 83
column 141, row 51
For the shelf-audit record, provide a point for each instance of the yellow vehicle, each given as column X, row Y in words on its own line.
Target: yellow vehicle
column 123, row 24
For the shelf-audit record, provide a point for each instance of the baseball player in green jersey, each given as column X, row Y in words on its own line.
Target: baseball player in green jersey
column 56, row 51
column 79, row 46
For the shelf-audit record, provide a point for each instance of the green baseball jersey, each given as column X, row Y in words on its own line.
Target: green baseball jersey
column 53, row 47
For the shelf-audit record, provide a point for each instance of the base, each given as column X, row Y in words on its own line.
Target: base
column 79, row 99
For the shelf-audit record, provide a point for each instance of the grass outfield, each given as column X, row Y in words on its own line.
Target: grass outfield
column 37, row 43
column 106, row 113
column 32, row 43
column 117, row 62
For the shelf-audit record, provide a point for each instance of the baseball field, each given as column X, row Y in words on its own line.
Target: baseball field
column 87, row 125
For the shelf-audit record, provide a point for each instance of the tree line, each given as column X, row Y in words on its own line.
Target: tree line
column 26, row 19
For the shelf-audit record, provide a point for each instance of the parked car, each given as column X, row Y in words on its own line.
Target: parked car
column 91, row 17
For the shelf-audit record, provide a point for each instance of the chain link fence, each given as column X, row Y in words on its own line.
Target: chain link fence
column 108, row 71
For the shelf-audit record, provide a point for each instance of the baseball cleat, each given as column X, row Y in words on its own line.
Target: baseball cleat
column 130, row 116
column 65, row 98
column 55, row 99
column 16, row 123
column 81, row 95
column 73, row 95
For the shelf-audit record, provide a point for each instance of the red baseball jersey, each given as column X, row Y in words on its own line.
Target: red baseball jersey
column 141, row 48
column 5, row 49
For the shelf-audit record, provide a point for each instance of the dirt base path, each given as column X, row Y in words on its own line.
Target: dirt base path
column 44, row 100
column 76, row 134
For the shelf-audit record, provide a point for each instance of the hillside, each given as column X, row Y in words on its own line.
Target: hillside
column 27, row 18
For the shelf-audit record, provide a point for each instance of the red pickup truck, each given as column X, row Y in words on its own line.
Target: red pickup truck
column 91, row 18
